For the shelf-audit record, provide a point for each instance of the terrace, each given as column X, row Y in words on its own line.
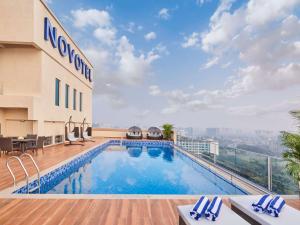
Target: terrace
column 87, row 209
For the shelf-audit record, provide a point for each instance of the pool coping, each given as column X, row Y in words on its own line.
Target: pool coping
column 8, row 192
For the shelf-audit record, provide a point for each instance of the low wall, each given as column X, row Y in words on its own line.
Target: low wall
column 116, row 133
column 112, row 132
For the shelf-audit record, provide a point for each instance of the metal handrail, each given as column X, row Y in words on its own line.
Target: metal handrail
column 12, row 174
column 36, row 167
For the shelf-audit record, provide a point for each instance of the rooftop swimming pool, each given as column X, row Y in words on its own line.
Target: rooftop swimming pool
column 134, row 167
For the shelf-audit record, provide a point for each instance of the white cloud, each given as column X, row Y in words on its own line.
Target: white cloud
column 164, row 13
column 132, row 27
column 260, row 12
column 91, row 17
column 253, row 110
column 269, row 53
column 211, row 62
column 118, row 65
column 194, row 40
column 201, row 2
column 150, row 36
column 266, row 52
column 105, row 35
column 154, row 90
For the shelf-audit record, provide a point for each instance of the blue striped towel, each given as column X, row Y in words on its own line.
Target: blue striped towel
column 275, row 206
column 262, row 204
column 214, row 209
column 199, row 208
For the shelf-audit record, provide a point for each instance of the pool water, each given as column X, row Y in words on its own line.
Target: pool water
column 143, row 170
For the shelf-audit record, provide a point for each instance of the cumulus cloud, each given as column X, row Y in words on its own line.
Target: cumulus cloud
column 90, row 17
column 164, row 13
column 264, row 42
column 262, row 37
column 150, row 36
column 105, row 35
column 193, row 40
column 117, row 63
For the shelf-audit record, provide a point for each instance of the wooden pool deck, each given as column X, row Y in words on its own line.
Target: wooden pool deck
column 45, row 159
column 94, row 211
column 58, row 210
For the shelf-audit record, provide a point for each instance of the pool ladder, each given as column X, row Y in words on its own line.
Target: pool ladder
column 20, row 161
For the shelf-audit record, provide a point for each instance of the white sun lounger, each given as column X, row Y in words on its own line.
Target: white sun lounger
column 226, row 217
column 242, row 206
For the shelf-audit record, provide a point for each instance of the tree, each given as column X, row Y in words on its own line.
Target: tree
column 292, row 155
column 168, row 131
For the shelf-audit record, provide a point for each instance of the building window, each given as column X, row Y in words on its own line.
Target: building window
column 74, row 99
column 67, row 96
column 80, row 101
column 57, row 91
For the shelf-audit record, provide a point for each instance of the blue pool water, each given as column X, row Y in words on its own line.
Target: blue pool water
column 142, row 170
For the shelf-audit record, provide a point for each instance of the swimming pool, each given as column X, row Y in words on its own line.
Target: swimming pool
column 135, row 167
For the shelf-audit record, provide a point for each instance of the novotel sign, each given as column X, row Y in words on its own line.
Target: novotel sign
column 65, row 49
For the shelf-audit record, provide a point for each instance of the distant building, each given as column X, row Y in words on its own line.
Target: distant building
column 199, row 146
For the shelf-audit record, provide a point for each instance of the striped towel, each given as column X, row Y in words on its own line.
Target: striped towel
column 262, row 204
column 199, row 208
column 275, row 206
column 214, row 209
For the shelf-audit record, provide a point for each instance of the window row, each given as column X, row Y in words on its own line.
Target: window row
column 67, row 94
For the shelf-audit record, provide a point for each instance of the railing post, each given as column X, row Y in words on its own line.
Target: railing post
column 269, row 173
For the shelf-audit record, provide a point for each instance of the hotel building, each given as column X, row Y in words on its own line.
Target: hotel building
column 198, row 146
column 44, row 77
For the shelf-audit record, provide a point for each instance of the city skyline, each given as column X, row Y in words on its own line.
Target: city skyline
column 194, row 63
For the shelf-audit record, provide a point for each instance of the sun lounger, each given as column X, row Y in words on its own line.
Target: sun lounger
column 242, row 206
column 226, row 217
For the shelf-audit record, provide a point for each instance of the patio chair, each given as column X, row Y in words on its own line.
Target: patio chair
column 243, row 207
column 86, row 137
column 226, row 217
column 70, row 137
column 37, row 144
column 6, row 145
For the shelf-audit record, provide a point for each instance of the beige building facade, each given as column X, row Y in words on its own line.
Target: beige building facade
column 44, row 76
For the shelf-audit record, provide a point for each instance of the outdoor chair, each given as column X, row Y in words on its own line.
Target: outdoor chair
column 37, row 144
column 86, row 137
column 32, row 144
column 243, row 207
column 6, row 145
column 71, row 139
column 226, row 217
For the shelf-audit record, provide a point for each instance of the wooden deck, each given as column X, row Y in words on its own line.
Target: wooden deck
column 44, row 159
column 92, row 211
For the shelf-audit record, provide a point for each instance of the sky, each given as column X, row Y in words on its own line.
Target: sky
column 192, row 63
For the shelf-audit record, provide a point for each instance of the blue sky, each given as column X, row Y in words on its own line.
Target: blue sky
column 200, row 63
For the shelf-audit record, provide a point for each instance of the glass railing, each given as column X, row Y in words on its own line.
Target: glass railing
column 266, row 171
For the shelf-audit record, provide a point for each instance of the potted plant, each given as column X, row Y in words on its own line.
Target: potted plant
column 292, row 155
column 168, row 131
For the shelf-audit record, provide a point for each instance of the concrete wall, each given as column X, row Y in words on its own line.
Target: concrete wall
column 16, row 15
column 29, row 66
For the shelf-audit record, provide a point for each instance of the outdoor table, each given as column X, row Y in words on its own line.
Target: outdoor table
column 23, row 143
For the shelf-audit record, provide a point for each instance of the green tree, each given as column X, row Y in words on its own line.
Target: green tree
column 168, row 131
column 292, row 155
